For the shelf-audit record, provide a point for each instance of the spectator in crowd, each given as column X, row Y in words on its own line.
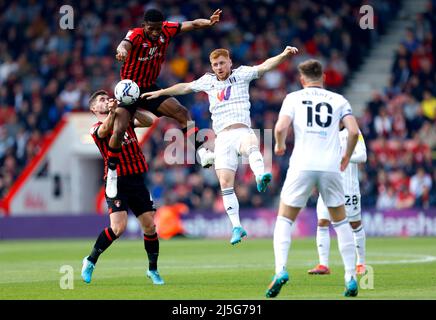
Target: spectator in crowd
column 386, row 198
column 420, row 186
column 429, row 105
column 405, row 198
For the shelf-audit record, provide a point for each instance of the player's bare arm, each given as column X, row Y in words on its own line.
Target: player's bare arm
column 108, row 124
column 175, row 90
column 142, row 119
column 280, row 133
column 201, row 23
column 273, row 62
column 350, row 123
column 123, row 50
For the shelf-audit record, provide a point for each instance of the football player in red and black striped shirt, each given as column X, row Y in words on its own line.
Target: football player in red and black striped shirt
column 132, row 192
column 143, row 52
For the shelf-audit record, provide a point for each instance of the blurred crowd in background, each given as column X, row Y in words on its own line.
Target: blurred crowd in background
column 46, row 71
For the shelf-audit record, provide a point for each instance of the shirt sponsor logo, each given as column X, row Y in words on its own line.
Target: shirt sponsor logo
column 224, row 94
column 127, row 139
column 320, row 133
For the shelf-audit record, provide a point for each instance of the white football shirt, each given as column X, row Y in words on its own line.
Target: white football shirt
column 315, row 113
column 229, row 100
column 350, row 176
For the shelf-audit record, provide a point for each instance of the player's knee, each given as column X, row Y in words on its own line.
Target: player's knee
column 323, row 223
column 181, row 114
column 252, row 148
column 147, row 222
column 119, row 228
column 355, row 224
column 149, row 228
column 121, row 113
column 226, row 183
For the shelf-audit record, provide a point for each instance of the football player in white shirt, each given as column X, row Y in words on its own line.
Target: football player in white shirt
column 352, row 208
column 316, row 160
column 229, row 99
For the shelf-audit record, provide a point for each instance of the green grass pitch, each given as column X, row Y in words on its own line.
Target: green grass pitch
column 212, row 269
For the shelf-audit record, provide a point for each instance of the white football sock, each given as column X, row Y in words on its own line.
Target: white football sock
column 282, row 242
column 346, row 247
column 255, row 159
column 231, row 204
column 360, row 243
column 323, row 244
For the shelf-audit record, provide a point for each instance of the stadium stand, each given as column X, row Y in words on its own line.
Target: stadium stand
column 46, row 72
column 399, row 124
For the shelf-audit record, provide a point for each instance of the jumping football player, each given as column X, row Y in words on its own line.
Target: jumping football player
column 143, row 51
column 229, row 100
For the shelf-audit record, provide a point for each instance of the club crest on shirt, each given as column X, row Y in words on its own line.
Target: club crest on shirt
column 117, row 203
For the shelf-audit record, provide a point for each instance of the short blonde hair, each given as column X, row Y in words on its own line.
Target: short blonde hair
column 218, row 53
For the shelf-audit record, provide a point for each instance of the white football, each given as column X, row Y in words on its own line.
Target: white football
column 126, row 92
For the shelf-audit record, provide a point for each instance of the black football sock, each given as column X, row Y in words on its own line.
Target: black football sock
column 104, row 240
column 151, row 244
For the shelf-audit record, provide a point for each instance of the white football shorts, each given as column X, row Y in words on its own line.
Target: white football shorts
column 352, row 208
column 299, row 184
column 227, row 146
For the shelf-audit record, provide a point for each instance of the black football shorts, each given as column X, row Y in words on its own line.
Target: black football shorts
column 132, row 194
column 150, row 105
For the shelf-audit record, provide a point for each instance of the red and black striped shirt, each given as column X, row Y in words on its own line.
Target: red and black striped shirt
column 132, row 160
column 144, row 61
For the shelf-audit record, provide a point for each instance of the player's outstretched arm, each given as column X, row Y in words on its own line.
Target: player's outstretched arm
column 201, row 23
column 350, row 123
column 280, row 133
column 143, row 118
column 108, row 124
column 176, row 90
column 123, row 50
column 273, row 62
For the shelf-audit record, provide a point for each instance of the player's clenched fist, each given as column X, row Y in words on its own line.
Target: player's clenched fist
column 279, row 150
column 290, row 50
column 121, row 55
column 112, row 105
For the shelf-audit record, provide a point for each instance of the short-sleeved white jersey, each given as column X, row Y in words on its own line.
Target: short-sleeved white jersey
column 351, row 175
column 229, row 100
column 315, row 114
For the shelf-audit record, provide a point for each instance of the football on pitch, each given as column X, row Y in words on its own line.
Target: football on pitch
column 126, row 92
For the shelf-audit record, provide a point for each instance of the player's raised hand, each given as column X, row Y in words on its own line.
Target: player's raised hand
column 121, row 54
column 215, row 17
column 344, row 162
column 290, row 51
column 279, row 150
column 112, row 105
column 151, row 95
